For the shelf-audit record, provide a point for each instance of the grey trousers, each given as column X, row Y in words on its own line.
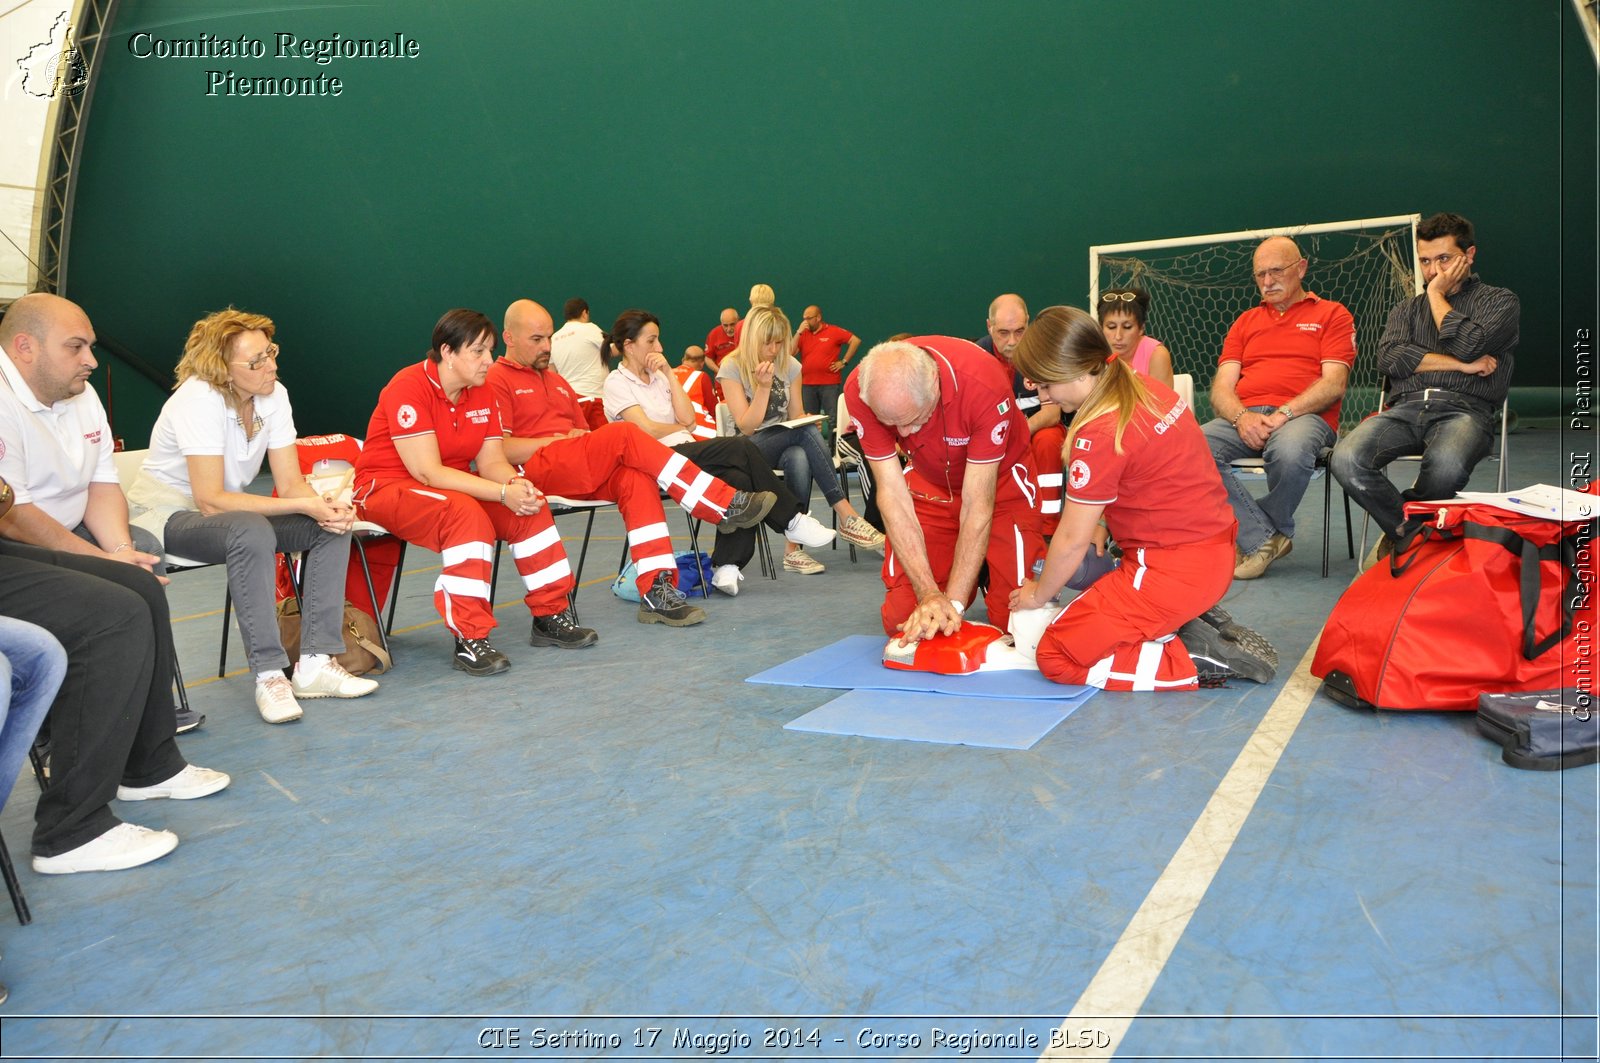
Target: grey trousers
column 248, row 543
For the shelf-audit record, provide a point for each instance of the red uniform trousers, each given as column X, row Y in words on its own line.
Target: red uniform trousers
column 1046, row 449
column 1118, row 634
column 622, row 463
column 463, row 530
column 1014, row 544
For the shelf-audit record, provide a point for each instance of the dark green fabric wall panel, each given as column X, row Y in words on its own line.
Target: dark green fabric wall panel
column 897, row 162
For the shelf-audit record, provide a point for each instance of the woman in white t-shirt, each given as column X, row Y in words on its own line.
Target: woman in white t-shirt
column 227, row 413
column 761, row 384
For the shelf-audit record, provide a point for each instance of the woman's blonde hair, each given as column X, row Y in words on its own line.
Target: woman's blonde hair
column 761, row 326
column 1062, row 344
column 761, row 295
column 209, row 346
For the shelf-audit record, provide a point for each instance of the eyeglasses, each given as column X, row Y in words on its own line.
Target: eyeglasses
column 268, row 355
column 1120, row 297
column 1276, row 272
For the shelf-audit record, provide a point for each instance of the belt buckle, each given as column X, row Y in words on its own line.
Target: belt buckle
column 1427, row 394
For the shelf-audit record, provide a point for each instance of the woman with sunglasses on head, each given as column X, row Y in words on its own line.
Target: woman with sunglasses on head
column 644, row 390
column 1122, row 317
column 228, row 413
column 1136, row 459
column 761, row 382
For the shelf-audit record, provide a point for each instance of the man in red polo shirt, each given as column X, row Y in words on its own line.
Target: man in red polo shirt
column 1276, row 396
column 721, row 340
column 824, row 351
column 548, row 435
column 968, row 495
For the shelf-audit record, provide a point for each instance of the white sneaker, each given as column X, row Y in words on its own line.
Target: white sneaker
column 275, row 700
column 806, row 530
column 125, row 845
column 726, row 579
column 190, row 783
column 331, row 681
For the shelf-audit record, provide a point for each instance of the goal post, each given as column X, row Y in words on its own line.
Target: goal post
column 1198, row 285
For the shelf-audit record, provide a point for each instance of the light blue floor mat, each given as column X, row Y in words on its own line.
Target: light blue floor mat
column 918, row 716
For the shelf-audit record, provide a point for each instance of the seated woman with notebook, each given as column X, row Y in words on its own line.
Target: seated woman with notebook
column 761, row 385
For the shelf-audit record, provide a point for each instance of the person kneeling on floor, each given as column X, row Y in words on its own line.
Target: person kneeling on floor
column 1135, row 456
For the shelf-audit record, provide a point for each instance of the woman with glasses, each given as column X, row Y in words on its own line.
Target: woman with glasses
column 228, row 413
column 1122, row 317
column 761, row 382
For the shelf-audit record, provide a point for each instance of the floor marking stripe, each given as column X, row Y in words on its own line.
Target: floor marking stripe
column 1118, row 990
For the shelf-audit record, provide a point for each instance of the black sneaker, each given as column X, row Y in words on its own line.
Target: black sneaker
column 665, row 604
column 188, row 720
column 477, row 657
column 1220, row 655
column 562, row 631
column 747, row 509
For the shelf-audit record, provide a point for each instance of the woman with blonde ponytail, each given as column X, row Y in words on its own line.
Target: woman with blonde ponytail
column 1134, row 458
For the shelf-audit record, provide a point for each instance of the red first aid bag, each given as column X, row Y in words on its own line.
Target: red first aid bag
column 1480, row 600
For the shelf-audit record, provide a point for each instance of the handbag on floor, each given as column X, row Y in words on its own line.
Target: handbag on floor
column 363, row 651
column 1478, row 600
column 1544, row 730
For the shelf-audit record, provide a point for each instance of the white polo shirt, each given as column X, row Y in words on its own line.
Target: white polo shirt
column 51, row 454
column 575, row 353
column 197, row 421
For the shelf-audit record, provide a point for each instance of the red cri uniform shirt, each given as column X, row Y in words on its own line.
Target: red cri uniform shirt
column 1163, row 489
column 414, row 404
column 534, row 403
column 1280, row 355
column 820, row 349
column 719, row 344
column 975, row 420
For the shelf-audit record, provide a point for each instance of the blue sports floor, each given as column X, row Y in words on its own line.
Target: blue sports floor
column 620, row 853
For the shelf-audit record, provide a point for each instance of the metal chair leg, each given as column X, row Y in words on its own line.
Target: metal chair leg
column 394, row 589
column 18, row 901
column 372, row 595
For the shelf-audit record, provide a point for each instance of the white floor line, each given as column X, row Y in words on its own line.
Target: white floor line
column 1118, row 990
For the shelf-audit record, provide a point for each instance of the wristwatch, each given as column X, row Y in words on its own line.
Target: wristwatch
column 1286, row 410
column 5, row 495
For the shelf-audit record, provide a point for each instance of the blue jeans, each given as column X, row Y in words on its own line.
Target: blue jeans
column 1451, row 435
column 248, row 543
column 1291, row 457
column 803, row 457
column 32, row 665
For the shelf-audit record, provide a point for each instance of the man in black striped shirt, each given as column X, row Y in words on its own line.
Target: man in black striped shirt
column 1447, row 355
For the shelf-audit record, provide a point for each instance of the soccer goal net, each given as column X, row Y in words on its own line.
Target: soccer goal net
column 1198, row 285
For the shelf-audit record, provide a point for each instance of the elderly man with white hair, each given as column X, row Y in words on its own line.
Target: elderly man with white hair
column 968, row 495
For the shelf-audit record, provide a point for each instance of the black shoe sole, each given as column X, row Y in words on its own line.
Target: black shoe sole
column 650, row 616
column 1248, row 657
column 502, row 665
column 546, row 640
column 751, row 517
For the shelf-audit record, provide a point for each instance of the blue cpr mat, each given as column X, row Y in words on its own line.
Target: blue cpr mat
column 1009, row 709
column 918, row 716
column 856, row 663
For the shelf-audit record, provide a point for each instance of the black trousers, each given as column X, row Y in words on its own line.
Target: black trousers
column 112, row 719
column 737, row 461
